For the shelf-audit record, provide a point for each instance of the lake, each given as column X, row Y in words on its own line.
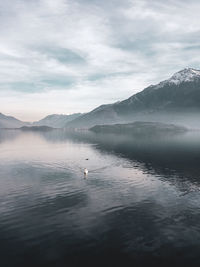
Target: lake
column 138, row 206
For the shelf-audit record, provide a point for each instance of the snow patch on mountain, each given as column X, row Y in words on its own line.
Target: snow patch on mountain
column 186, row 75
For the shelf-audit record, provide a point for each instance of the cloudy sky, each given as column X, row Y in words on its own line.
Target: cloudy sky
column 66, row 56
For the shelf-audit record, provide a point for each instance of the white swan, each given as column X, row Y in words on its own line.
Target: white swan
column 85, row 171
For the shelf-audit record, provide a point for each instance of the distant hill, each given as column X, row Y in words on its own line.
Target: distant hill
column 139, row 128
column 56, row 120
column 10, row 122
column 178, row 95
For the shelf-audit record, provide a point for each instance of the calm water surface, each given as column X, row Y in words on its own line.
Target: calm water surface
column 138, row 206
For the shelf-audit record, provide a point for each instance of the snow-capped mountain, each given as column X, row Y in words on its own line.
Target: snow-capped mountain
column 178, row 95
column 186, row 75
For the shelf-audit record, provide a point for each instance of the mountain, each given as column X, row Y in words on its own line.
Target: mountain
column 101, row 115
column 10, row 122
column 177, row 96
column 56, row 120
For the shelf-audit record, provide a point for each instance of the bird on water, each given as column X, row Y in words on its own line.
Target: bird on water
column 85, row 171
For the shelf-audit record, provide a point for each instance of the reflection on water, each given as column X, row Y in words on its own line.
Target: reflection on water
column 138, row 205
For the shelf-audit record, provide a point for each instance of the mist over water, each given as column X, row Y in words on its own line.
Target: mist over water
column 139, row 204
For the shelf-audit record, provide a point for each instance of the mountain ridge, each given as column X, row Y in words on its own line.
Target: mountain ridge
column 10, row 122
column 53, row 120
column 56, row 120
column 179, row 94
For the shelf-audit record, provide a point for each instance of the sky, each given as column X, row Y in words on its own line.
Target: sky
column 63, row 57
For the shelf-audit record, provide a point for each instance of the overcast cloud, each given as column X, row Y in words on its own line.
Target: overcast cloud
column 71, row 56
